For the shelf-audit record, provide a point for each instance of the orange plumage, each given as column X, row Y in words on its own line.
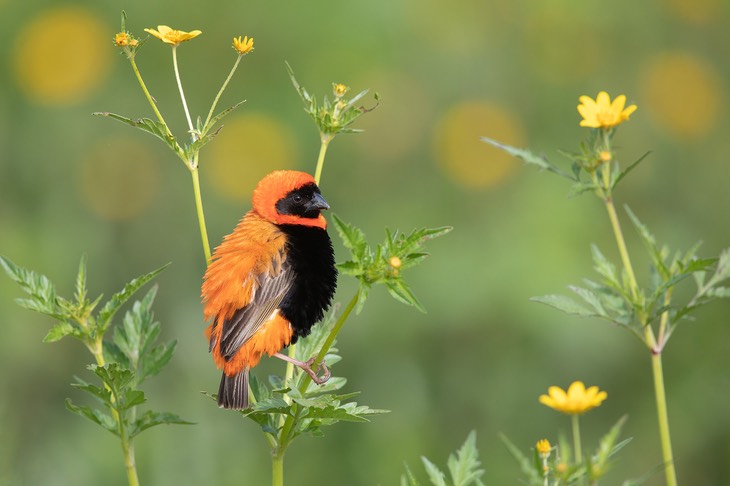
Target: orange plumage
column 269, row 281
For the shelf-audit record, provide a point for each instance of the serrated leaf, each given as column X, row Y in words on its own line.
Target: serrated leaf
column 528, row 157
column 148, row 125
column 350, row 268
column 590, row 298
column 408, row 479
column 153, row 419
column 526, row 466
column 565, row 304
column 402, row 293
column 362, row 295
column 96, row 416
column 464, row 466
column 39, row 287
column 352, row 238
column 59, row 331
column 435, row 475
column 118, row 299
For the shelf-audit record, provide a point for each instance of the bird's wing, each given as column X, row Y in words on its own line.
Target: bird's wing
column 268, row 292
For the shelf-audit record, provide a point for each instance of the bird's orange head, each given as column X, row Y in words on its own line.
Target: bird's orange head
column 290, row 197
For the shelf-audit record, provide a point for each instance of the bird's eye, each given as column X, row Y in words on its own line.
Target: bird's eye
column 297, row 198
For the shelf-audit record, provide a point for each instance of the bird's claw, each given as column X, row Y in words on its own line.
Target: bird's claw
column 320, row 380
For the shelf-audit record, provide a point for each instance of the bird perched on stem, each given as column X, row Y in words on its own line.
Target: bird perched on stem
column 269, row 281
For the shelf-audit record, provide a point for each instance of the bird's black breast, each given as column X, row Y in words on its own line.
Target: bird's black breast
column 311, row 256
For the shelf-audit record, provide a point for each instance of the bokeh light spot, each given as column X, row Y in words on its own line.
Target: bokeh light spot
column 62, row 55
column 249, row 147
column 696, row 11
column 682, row 94
column 461, row 153
column 119, row 177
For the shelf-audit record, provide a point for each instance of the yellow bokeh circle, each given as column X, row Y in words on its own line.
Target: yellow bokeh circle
column 249, row 147
column 696, row 11
column 119, row 177
column 62, row 55
column 682, row 94
column 463, row 156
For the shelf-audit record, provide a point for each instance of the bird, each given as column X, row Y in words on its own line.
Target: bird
column 269, row 281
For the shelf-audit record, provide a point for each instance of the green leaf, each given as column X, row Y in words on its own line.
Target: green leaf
column 118, row 299
column 153, row 419
column 401, row 292
column 464, row 466
column 96, row 416
column 526, row 465
column 628, row 169
column 528, row 157
column 352, row 238
column 81, row 282
column 42, row 292
column 61, row 330
column 148, row 125
column 435, row 475
column 408, row 479
column 565, row 304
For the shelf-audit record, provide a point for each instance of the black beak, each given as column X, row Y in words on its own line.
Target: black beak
column 317, row 203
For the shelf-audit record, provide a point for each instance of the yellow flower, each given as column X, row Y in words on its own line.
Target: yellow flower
column 172, row 36
column 339, row 89
column 576, row 401
column 543, row 447
column 395, row 262
column 122, row 39
column 602, row 113
column 605, row 156
column 243, row 46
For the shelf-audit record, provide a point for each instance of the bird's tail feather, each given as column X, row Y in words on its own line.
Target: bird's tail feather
column 233, row 391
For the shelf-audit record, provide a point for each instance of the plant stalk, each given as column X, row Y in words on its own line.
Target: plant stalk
column 182, row 93
column 286, row 429
column 277, row 468
column 575, row 419
column 220, row 92
column 201, row 214
column 663, row 416
column 326, row 139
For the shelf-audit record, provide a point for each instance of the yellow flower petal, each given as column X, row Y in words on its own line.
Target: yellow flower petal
column 602, row 113
column 172, row 36
column 577, row 400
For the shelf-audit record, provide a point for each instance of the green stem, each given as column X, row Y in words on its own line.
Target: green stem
column 661, row 405
column 277, row 469
column 622, row 247
column 182, row 93
column 159, row 116
column 220, row 92
column 576, row 438
column 326, row 139
column 286, row 429
column 147, row 95
column 130, row 465
column 201, row 215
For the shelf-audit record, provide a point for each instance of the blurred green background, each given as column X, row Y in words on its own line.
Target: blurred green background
column 448, row 72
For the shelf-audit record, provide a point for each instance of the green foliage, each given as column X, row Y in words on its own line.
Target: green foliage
column 384, row 264
column 332, row 116
column 559, row 467
column 588, row 172
column 122, row 364
column 310, row 407
column 464, row 467
column 612, row 297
